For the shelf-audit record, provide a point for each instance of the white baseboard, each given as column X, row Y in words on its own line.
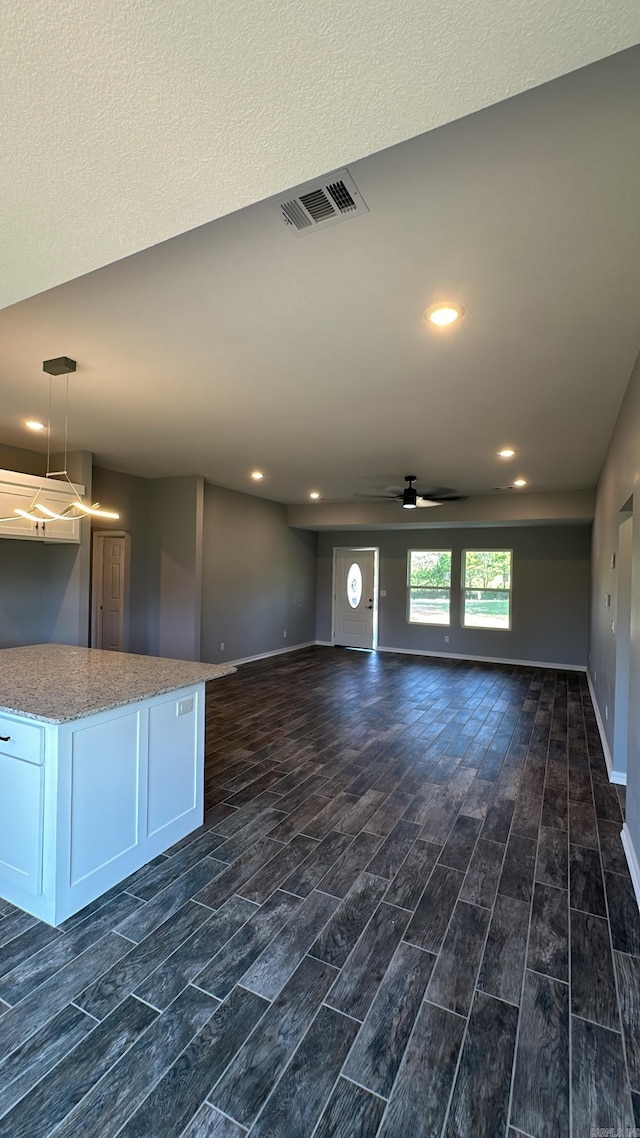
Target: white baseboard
column 485, row 659
column 275, row 652
column 632, row 861
column 614, row 776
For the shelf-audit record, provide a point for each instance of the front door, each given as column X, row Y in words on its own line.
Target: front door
column 354, row 598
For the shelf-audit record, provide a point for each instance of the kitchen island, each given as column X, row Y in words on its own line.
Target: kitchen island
column 101, row 769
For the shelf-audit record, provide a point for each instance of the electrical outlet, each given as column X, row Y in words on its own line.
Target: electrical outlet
column 184, row 706
column 446, row 639
column 222, row 645
column 613, row 625
column 607, row 600
column 285, row 634
column 606, row 710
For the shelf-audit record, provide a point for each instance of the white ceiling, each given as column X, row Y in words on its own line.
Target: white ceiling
column 125, row 124
column 238, row 345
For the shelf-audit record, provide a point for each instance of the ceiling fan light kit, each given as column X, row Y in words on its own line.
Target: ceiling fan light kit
column 409, row 494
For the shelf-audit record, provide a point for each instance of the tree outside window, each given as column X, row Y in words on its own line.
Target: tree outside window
column 486, row 578
column 429, row 586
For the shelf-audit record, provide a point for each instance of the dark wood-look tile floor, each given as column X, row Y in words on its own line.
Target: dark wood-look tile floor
column 407, row 914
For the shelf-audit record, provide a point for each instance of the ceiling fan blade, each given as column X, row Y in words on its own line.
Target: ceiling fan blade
column 422, row 501
column 450, row 498
column 443, row 495
column 379, row 497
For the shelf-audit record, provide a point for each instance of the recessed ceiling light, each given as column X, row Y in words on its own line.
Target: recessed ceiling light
column 314, row 494
column 257, row 475
column 506, row 453
column 442, row 314
column 520, row 482
column 34, row 425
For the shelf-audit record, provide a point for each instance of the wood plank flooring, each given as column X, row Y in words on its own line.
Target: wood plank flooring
column 407, row 914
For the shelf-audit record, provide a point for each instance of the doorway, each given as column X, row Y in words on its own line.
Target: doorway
column 355, row 598
column 110, row 590
column 624, row 562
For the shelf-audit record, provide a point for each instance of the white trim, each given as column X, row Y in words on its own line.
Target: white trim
column 632, row 861
column 486, row 659
column 275, row 652
column 619, row 777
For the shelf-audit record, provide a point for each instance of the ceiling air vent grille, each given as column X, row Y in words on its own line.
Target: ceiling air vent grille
column 294, row 214
column 341, row 197
column 321, row 203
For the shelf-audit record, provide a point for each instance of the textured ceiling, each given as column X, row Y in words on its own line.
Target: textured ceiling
column 125, row 124
column 239, row 345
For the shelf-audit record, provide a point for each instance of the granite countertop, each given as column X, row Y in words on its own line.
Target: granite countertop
column 55, row 683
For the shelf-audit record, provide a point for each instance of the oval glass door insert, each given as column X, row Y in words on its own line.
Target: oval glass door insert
column 354, row 585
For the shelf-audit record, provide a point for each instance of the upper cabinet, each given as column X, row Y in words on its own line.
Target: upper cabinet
column 17, row 491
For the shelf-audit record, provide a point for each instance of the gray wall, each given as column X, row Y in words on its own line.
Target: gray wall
column 619, row 479
column 24, row 461
column 129, row 496
column 23, row 568
column 44, row 589
column 174, row 567
column 259, row 577
column 69, row 571
column 23, row 590
column 550, row 592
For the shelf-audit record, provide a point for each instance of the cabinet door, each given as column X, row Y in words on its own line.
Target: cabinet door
column 16, row 526
column 21, row 823
column 105, row 784
column 54, row 530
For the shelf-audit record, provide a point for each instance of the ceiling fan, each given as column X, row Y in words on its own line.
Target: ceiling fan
column 411, row 499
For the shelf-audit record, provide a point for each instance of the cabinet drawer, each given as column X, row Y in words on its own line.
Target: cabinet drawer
column 21, row 740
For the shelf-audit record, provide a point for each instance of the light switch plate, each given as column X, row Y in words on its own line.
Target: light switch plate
column 184, row 706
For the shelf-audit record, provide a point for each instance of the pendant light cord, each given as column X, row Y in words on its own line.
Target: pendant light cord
column 49, row 429
column 66, row 428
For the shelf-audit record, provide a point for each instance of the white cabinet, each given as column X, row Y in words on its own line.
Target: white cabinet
column 85, row 803
column 18, row 491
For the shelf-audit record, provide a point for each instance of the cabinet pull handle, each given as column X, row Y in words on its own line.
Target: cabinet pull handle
column 5, row 738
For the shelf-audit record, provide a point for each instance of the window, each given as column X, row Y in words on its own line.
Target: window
column 429, row 586
column 486, row 577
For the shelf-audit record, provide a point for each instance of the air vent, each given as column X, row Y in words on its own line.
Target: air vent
column 321, row 203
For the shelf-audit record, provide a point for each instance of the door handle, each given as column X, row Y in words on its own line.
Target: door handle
column 5, row 738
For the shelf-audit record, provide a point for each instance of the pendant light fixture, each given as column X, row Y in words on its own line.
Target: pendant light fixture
column 77, row 508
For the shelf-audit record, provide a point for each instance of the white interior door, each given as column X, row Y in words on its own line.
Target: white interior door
column 110, row 574
column 354, row 598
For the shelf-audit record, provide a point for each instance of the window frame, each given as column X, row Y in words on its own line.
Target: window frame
column 442, row 589
column 464, row 590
